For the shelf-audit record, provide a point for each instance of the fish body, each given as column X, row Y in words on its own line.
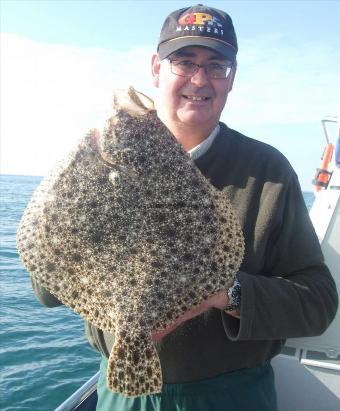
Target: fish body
column 129, row 234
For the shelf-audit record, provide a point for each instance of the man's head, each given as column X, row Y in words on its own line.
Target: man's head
column 194, row 69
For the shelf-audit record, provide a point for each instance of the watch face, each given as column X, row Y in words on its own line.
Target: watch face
column 234, row 295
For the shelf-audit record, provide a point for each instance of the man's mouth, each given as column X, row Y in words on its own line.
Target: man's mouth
column 196, row 98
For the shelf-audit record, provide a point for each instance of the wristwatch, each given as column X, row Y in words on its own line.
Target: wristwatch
column 234, row 296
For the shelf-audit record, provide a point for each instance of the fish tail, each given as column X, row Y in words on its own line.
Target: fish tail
column 134, row 367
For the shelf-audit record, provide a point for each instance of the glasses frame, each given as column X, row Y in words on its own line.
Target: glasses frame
column 197, row 67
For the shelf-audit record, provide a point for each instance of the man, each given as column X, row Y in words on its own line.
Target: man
column 217, row 356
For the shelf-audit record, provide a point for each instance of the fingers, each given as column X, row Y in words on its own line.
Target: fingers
column 158, row 335
column 188, row 315
column 218, row 300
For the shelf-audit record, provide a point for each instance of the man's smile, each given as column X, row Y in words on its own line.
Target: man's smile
column 196, row 98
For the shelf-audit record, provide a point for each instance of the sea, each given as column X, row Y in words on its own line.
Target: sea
column 44, row 355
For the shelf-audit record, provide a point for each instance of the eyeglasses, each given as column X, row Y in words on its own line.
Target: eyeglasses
column 187, row 68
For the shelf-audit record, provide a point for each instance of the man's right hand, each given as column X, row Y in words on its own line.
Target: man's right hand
column 219, row 301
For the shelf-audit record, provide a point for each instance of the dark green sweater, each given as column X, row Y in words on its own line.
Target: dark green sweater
column 287, row 291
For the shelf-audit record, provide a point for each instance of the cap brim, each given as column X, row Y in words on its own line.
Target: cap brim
column 169, row 47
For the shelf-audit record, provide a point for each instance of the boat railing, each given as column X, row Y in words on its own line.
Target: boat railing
column 79, row 400
column 324, row 121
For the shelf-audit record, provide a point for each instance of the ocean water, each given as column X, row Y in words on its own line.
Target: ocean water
column 44, row 354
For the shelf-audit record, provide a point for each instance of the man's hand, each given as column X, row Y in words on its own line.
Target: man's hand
column 219, row 300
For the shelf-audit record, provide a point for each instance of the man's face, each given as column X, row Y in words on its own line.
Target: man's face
column 191, row 101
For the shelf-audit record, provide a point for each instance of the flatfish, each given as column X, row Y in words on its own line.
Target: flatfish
column 129, row 234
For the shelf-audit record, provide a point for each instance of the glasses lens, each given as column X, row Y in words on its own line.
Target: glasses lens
column 183, row 68
column 217, row 70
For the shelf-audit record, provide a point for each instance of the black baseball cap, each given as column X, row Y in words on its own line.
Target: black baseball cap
column 198, row 26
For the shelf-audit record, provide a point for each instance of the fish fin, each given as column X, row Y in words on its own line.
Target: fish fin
column 132, row 101
column 94, row 137
column 134, row 367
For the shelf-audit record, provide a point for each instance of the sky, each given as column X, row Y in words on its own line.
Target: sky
column 62, row 60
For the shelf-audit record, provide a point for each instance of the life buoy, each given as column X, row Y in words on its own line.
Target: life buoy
column 323, row 174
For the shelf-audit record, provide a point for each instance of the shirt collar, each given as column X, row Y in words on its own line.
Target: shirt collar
column 204, row 146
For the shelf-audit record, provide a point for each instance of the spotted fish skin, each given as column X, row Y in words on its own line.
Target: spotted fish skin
column 129, row 234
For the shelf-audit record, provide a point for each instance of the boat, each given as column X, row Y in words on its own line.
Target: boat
column 307, row 372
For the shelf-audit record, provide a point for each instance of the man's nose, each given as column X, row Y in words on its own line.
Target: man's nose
column 200, row 78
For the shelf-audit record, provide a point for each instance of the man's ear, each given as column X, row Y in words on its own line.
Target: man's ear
column 155, row 67
column 232, row 77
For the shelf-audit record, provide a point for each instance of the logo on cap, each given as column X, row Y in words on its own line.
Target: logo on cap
column 202, row 22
